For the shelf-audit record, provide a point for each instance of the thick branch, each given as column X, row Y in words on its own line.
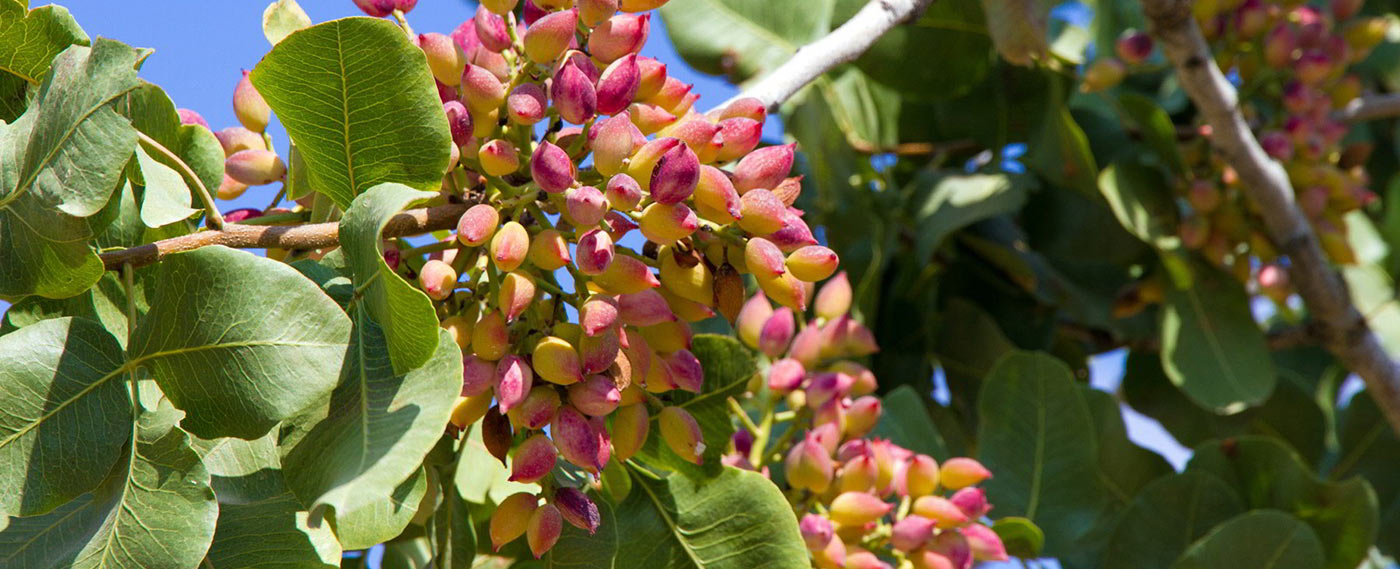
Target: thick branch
column 312, row 236
column 843, row 44
column 1344, row 331
column 1370, row 107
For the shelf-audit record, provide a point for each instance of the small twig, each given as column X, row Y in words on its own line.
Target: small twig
column 214, row 220
column 1369, row 108
column 1344, row 331
column 843, row 44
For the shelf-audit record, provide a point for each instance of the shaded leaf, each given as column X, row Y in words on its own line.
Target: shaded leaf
column 1019, row 28
column 1370, row 448
column 953, row 28
column 272, row 533
column 742, row 39
column 905, row 421
column 947, row 203
column 1211, row 347
column 1060, row 150
column 1125, row 467
column 1021, row 537
column 1168, row 516
column 1266, row 540
column 1156, row 129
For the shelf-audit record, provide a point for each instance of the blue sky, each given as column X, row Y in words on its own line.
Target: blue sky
column 200, row 46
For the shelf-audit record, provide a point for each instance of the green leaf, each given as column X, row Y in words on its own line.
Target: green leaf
column 383, row 519
column 243, row 472
column 104, row 304
column 405, row 314
column 1143, row 202
column 239, row 363
column 272, row 533
column 742, row 39
column 14, row 96
column 60, row 162
column 1125, row 467
column 377, row 427
column 906, row 422
column 165, row 199
column 1267, row 475
column 65, row 423
column 1266, row 540
column 1037, row 435
column 30, row 39
column 154, row 511
column 1370, row 448
column 1156, row 129
column 407, row 554
column 1021, row 537
column 330, row 85
column 737, row 520
column 1167, row 517
column 454, row 536
column 1211, row 347
column 1060, row 150
column 954, row 28
column 281, row 18
column 947, row 203
column 1019, row 28
column 728, row 366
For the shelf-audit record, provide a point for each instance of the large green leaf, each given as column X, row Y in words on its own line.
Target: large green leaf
column 332, row 86
column 1037, row 435
column 1060, row 150
column 1167, row 517
column 377, row 427
column 1125, row 467
column 67, row 413
column 742, row 39
column 59, row 163
column 166, row 198
column 1019, row 28
column 154, row 511
column 1156, row 129
column 272, row 533
column 728, row 367
column 738, row 520
column 452, row 530
column 1267, row 475
column 1211, row 347
column 401, row 310
column 955, row 29
column 383, row 519
column 241, row 471
column 905, row 421
column 104, row 304
column 1370, row 448
column 153, row 113
column 1263, row 540
column 238, row 341
column 947, row 203
column 30, row 39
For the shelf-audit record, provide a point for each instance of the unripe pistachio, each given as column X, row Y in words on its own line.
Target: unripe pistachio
column 537, row 409
column 816, row 531
column 526, row 104
column 793, row 235
column 858, row 474
column 255, row 167
column 482, row 90
column 375, row 8
column 858, row 508
column 577, row 509
column 548, row 37
column 911, row 533
column 812, row 263
column 972, row 501
column 807, row 346
column 512, row 518
column 752, row 318
column 248, row 105
column 405, row 6
column 682, row 434
column 230, row 188
column 833, row 556
column 500, row 6
column 242, row 214
column 469, row 410
column 498, row 157
column 809, row 466
column 533, row 459
column 491, row 29
column 477, row 224
column 675, row 175
column 513, row 382
column 762, row 213
column 594, row 12
column 925, row 559
column 777, row 332
column 532, row 12
column 437, row 279
column 693, row 282
column 598, row 314
column 618, row 225
column 629, row 430
column 1105, row 72
column 446, row 59
column 764, row 168
column 1133, row 47
column 744, row 107
column 953, row 546
column 921, row 476
column 674, row 96
column 543, row 530
column 834, row 297
column 623, row 192
column 548, row 250
column 478, row 375
column 625, row 275
column 235, row 139
column 643, row 162
column 785, row 375
column 698, row 133
column 613, row 142
column 490, row 338
column 598, row 353
column 585, row 206
column 788, row 190
column 644, row 308
column 941, row 511
column 684, row 308
column 737, row 136
column 785, row 290
column 862, row 415
column 665, row 224
column 715, row 197
column 574, row 95
column 556, row 361
column 1277, row 145
column 509, row 246
column 595, row 253
column 551, row 168
column 762, row 257
column 653, row 77
column 1280, row 45
column 617, row 85
column 517, row 291
column 596, row 396
column 640, row 5
column 686, row 370
column 668, row 337
column 577, row 439
column 619, row 36
column 1251, row 18
column 961, row 472
column 986, row 545
column 649, row 118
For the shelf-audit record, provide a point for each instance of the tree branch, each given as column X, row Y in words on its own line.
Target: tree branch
column 310, row 236
column 1344, row 331
column 843, row 44
column 1369, row 108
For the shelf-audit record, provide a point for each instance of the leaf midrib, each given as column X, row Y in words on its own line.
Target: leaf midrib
column 1214, row 342
column 670, row 524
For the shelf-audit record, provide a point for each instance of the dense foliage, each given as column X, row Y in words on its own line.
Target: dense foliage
column 526, row 303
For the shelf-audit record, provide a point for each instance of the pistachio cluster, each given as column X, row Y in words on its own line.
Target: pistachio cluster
column 866, row 503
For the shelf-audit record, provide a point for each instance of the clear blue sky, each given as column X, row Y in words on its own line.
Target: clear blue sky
column 200, row 46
